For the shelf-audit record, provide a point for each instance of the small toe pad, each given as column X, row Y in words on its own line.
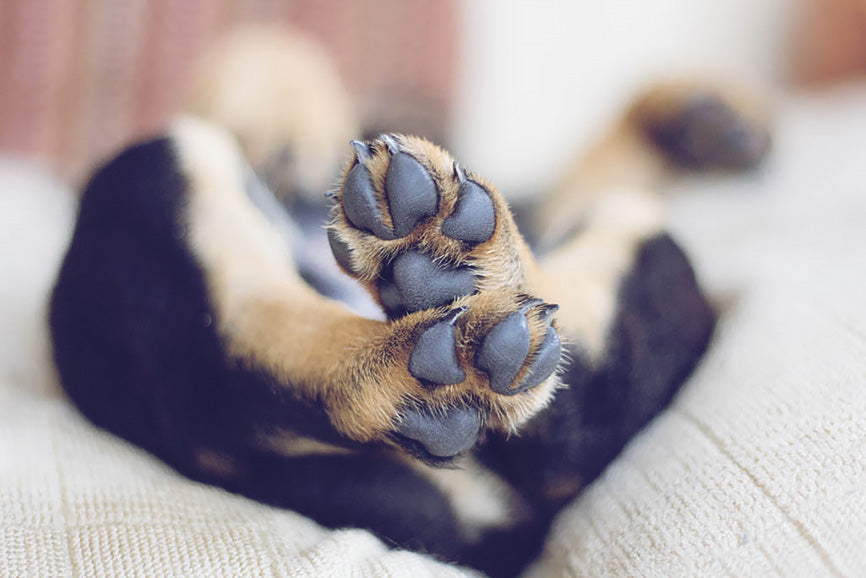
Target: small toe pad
column 473, row 219
column 342, row 252
column 411, row 193
column 545, row 362
column 503, row 352
column 359, row 203
column 434, row 359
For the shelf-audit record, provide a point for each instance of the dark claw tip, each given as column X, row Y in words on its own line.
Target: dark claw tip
column 361, row 149
column 531, row 303
column 458, row 173
column 547, row 312
column 390, row 142
column 455, row 314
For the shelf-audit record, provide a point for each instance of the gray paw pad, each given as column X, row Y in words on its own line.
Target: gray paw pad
column 422, row 284
column 411, row 193
column 503, row 352
column 434, row 359
column 443, row 435
column 359, row 203
column 473, row 219
column 545, row 362
column 342, row 252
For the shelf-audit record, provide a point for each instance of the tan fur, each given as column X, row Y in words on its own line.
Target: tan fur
column 269, row 318
column 621, row 160
column 291, row 445
column 608, row 203
column 276, row 90
column 216, row 463
column 583, row 275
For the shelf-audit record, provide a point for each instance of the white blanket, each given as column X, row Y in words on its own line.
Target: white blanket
column 758, row 468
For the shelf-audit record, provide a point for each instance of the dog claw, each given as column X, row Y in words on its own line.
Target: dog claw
column 362, row 150
column 459, row 174
column 391, row 143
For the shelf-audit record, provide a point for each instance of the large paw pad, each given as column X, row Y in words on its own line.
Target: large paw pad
column 417, row 282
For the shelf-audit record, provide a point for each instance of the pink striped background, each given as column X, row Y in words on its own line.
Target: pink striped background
column 80, row 77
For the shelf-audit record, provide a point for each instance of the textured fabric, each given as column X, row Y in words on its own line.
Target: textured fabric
column 757, row 469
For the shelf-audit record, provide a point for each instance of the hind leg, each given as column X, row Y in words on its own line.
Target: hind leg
column 668, row 130
column 632, row 311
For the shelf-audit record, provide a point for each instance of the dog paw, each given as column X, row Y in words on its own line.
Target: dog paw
column 419, row 231
column 704, row 129
column 487, row 362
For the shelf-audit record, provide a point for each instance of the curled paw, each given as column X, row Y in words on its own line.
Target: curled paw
column 419, row 230
column 488, row 362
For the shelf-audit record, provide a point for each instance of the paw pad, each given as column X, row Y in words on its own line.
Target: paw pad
column 442, row 435
column 418, row 282
column 434, row 359
column 360, row 206
column 473, row 219
column 411, row 193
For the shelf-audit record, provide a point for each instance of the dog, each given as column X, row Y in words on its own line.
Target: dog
column 487, row 382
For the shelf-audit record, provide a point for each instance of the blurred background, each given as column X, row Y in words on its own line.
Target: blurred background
column 496, row 80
